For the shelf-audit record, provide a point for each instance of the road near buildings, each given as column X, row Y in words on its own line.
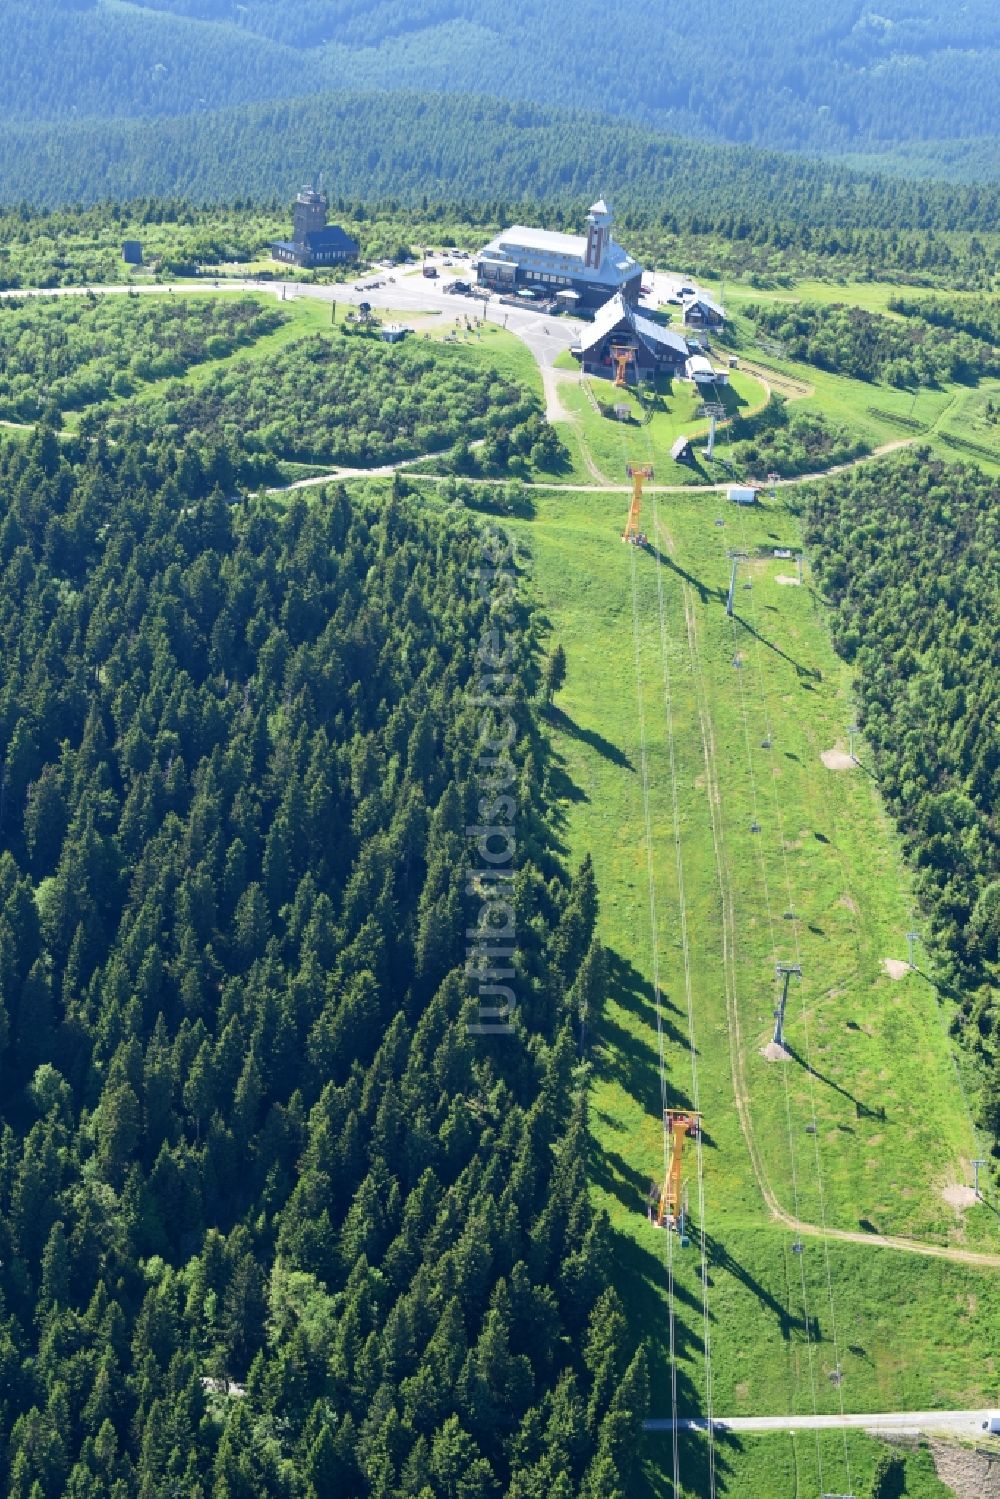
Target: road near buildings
column 545, row 336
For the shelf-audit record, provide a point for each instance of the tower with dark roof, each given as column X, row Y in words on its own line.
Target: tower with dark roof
column 599, row 221
column 310, row 214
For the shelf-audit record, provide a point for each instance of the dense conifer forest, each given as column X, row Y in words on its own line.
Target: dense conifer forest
column 907, row 551
column 449, row 148
column 920, row 350
column 792, row 75
column 273, row 1220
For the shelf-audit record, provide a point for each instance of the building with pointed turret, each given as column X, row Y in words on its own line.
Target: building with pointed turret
column 579, row 271
column 314, row 242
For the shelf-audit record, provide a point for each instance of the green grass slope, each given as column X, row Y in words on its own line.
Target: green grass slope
column 904, row 1330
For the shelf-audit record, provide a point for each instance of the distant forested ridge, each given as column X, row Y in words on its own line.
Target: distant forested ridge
column 472, row 149
column 908, row 552
column 246, row 1133
column 773, row 72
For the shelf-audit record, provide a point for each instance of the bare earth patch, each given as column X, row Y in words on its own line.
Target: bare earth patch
column 774, row 1053
column 786, row 581
column 837, row 759
column 958, row 1197
column 896, row 968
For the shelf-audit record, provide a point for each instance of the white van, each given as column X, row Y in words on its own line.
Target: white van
column 992, row 1423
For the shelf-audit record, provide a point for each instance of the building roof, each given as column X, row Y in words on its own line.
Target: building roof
column 551, row 251
column 652, row 333
column 618, row 311
column 706, row 302
column 599, row 207
column 330, row 238
column 680, row 446
column 526, row 238
column 699, row 365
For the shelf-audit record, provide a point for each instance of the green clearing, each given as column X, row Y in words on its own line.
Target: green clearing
column 872, row 295
column 905, row 1330
column 675, row 407
column 878, row 413
column 789, row 1465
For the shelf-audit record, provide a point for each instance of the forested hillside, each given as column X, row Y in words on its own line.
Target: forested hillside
column 774, row 72
column 472, row 149
column 946, row 343
column 65, row 353
column 247, row 1133
column 908, row 553
column 349, row 400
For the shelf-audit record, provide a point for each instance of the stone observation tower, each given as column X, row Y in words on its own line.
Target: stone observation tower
column 310, row 214
column 599, row 221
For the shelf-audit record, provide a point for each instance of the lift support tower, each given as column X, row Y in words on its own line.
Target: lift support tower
column 679, row 1123
column 783, row 971
column 638, row 473
column 623, row 355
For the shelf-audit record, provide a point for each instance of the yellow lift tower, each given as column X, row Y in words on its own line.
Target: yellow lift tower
column 679, row 1123
column 638, row 473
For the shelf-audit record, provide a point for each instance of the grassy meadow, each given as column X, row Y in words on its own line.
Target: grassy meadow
column 822, row 884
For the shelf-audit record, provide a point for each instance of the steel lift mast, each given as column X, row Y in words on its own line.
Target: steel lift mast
column 638, row 473
column 680, row 1123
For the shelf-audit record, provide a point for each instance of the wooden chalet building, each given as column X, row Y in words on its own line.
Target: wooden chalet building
column 579, row 271
column 701, row 312
column 314, row 242
column 618, row 326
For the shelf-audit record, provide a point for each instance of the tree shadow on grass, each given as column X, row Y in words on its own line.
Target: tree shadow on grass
column 641, row 1281
column 694, row 1467
column 563, row 787
column 604, row 747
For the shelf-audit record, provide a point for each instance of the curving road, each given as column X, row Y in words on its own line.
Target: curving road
column 546, row 338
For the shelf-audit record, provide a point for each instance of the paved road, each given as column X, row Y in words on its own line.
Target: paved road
column 960, row 1423
column 546, row 337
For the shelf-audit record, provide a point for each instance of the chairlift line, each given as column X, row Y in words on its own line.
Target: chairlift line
column 692, row 1042
column 764, row 886
column 811, row 1128
column 655, row 952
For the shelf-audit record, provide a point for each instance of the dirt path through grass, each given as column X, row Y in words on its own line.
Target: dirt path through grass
column 741, row 1096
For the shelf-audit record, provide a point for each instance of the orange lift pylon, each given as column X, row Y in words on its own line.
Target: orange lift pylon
column 622, row 356
column 638, row 473
column 680, row 1123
